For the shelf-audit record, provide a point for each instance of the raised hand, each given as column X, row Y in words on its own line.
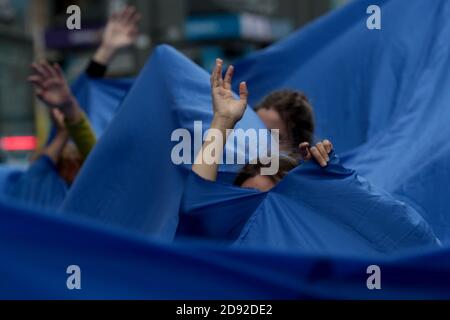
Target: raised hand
column 51, row 88
column 227, row 112
column 50, row 85
column 320, row 152
column 122, row 29
column 225, row 105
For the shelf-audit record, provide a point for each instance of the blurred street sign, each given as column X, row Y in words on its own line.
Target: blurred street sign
column 237, row 26
column 62, row 38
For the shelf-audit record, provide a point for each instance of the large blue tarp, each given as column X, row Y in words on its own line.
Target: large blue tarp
column 316, row 233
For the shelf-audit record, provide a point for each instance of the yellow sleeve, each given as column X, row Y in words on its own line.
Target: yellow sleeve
column 83, row 135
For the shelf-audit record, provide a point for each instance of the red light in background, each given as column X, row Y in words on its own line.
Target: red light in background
column 26, row 143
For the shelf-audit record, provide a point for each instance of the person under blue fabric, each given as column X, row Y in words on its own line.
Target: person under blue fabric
column 120, row 32
column 41, row 185
column 290, row 112
column 228, row 111
column 52, row 89
column 330, row 211
column 54, row 169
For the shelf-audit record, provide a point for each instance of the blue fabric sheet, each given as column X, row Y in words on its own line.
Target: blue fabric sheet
column 37, row 247
column 100, row 98
column 8, row 174
column 315, row 210
column 38, row 186
column 381, row 96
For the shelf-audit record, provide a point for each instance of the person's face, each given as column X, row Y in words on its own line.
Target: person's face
column 272, row 120
column 261, row 183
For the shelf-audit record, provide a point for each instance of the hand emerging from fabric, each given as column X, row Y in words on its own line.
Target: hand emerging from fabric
column 320, row 152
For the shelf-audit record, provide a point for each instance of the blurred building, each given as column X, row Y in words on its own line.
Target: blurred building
column 202, row 29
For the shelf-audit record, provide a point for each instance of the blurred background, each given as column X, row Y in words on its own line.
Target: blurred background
column 201, row 29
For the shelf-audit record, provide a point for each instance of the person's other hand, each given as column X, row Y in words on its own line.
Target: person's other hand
column 225, row 105
column 50, row 85
column 320, row 152
column 122, row 29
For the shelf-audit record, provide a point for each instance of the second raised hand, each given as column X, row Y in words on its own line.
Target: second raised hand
column 51, row 87
column 120, row 32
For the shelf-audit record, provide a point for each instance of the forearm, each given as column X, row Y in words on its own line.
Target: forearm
column 207, row 165
column 55, row 148
column 79, row 128
column 104, row 54
column 72, row 111
column 82, row 134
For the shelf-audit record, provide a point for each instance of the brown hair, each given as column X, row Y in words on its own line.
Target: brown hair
column 295, row 111
column 252, row 170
